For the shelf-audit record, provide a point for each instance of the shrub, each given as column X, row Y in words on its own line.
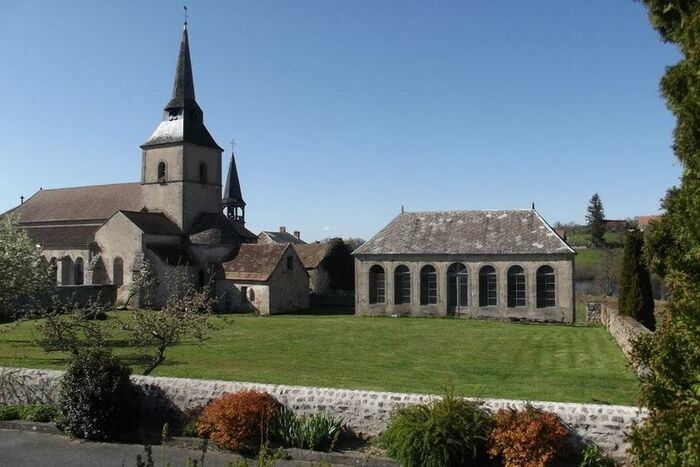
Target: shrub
column 593, row 456
column 96, row 398
column 527, row 438
column 239, row 421
column 10, row 412
column 445, row 432
column 32, row 413
column 636, row 297
column 318, row 432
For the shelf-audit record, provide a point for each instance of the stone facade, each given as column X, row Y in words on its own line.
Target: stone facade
column 563, row 267
column 365, row 412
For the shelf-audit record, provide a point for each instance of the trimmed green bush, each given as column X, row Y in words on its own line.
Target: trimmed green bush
column 451, row 431
column 96, row 398
column 636, row 297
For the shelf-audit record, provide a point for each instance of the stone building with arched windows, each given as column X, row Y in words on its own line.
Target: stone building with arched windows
column 504, row 264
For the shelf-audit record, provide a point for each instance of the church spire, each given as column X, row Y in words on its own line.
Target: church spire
column 183, row 119
column 233, row 198
column 183, row 87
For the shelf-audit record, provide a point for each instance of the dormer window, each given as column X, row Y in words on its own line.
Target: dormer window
column 162, row 172
column 202, row 173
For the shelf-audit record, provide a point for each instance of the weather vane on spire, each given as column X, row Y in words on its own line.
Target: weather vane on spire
column 233, row 145
column 185, row 14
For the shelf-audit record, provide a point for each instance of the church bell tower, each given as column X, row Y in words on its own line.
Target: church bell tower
column 181, row 162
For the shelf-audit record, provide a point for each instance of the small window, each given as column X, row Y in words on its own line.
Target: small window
column 162, row 172
column 202, row 173
column 79, row 278
column 428, row 285
column 290, row 263
column 488, row 286
column 118, row 271
column 244, row 293
column 376, row 284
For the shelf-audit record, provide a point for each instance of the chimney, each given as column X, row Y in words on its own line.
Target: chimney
column 21, row 200
column 297, row 234
column 283, row 229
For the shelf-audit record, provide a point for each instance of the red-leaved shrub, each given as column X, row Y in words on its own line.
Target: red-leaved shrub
column 527, row 438
column 238, row 420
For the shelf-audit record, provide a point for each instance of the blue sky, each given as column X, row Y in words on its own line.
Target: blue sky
column 345, row 111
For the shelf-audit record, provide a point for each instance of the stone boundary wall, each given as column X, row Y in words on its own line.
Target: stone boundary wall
column 365, row 412
column 624, row 329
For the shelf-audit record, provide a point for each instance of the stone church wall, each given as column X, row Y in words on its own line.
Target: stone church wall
column 563, row 266
column 365, row 412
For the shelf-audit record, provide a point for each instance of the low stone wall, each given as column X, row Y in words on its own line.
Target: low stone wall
column 365, row 412
column 624, row 329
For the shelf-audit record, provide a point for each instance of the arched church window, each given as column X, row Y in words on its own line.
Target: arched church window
column 488, row 286
column 516, row 287
column 118, row 271
column 202, row 173
column 79, row 272
column 402, row 285
column 546, row 287
column 162, row 172
column 428, row 285
column 376, row 284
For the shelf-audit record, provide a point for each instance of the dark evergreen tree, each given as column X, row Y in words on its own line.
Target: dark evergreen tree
column 671, row 387
column 636, row 298
column 595, row 218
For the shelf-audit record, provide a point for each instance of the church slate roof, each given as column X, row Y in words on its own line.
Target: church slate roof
column 496, row 232
column 97, row 202
column 255, row 262
column 62, row 235
column 152, row 223
column 212, row 228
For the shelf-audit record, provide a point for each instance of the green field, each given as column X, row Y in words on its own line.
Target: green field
column 478, row 358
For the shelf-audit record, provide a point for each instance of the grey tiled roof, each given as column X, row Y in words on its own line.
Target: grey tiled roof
column 466, row 232
column 284, row 237
column 255, row 262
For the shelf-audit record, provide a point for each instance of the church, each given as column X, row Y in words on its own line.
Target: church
column 174, row 217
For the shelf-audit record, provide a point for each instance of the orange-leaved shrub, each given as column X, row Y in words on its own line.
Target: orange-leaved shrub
column 527, row 438
column 239, row 421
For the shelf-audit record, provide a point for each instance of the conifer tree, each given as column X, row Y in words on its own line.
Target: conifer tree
column 596, row 220
column 636, row 298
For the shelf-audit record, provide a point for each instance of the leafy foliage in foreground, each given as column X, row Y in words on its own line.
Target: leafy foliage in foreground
column 31, row 413
column 239, row 421
column 528, row 438
column 451, row 431
column 97, row 399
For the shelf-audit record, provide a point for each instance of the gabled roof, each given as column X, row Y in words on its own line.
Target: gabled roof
column 494, row 232
column 312, row 254
column 255, row 261
column 98, row 202
column 174, row 255
column 283, row 237
column 212, row 228
column 62, row 235
column 152, row 223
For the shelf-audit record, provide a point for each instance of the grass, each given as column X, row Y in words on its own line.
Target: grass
column 478, row 358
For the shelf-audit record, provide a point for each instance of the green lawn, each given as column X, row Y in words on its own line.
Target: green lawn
column 479, row 358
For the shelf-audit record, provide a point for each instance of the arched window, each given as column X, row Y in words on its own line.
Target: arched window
column 457, row 285
column 546, row 287
column 78, row 272
column 162, row 171
column 376, row 284
column 488, row 291
column 516, row 287
column 202, row 173
column 118, row 271
column 428, row 285
column 402, row 285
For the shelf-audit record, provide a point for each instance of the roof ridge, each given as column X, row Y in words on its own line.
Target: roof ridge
column 86, row 186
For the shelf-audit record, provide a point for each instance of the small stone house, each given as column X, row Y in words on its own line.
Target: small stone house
column 330, row 266
column 266, row 279
column 505, row 264
column 282, row 236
